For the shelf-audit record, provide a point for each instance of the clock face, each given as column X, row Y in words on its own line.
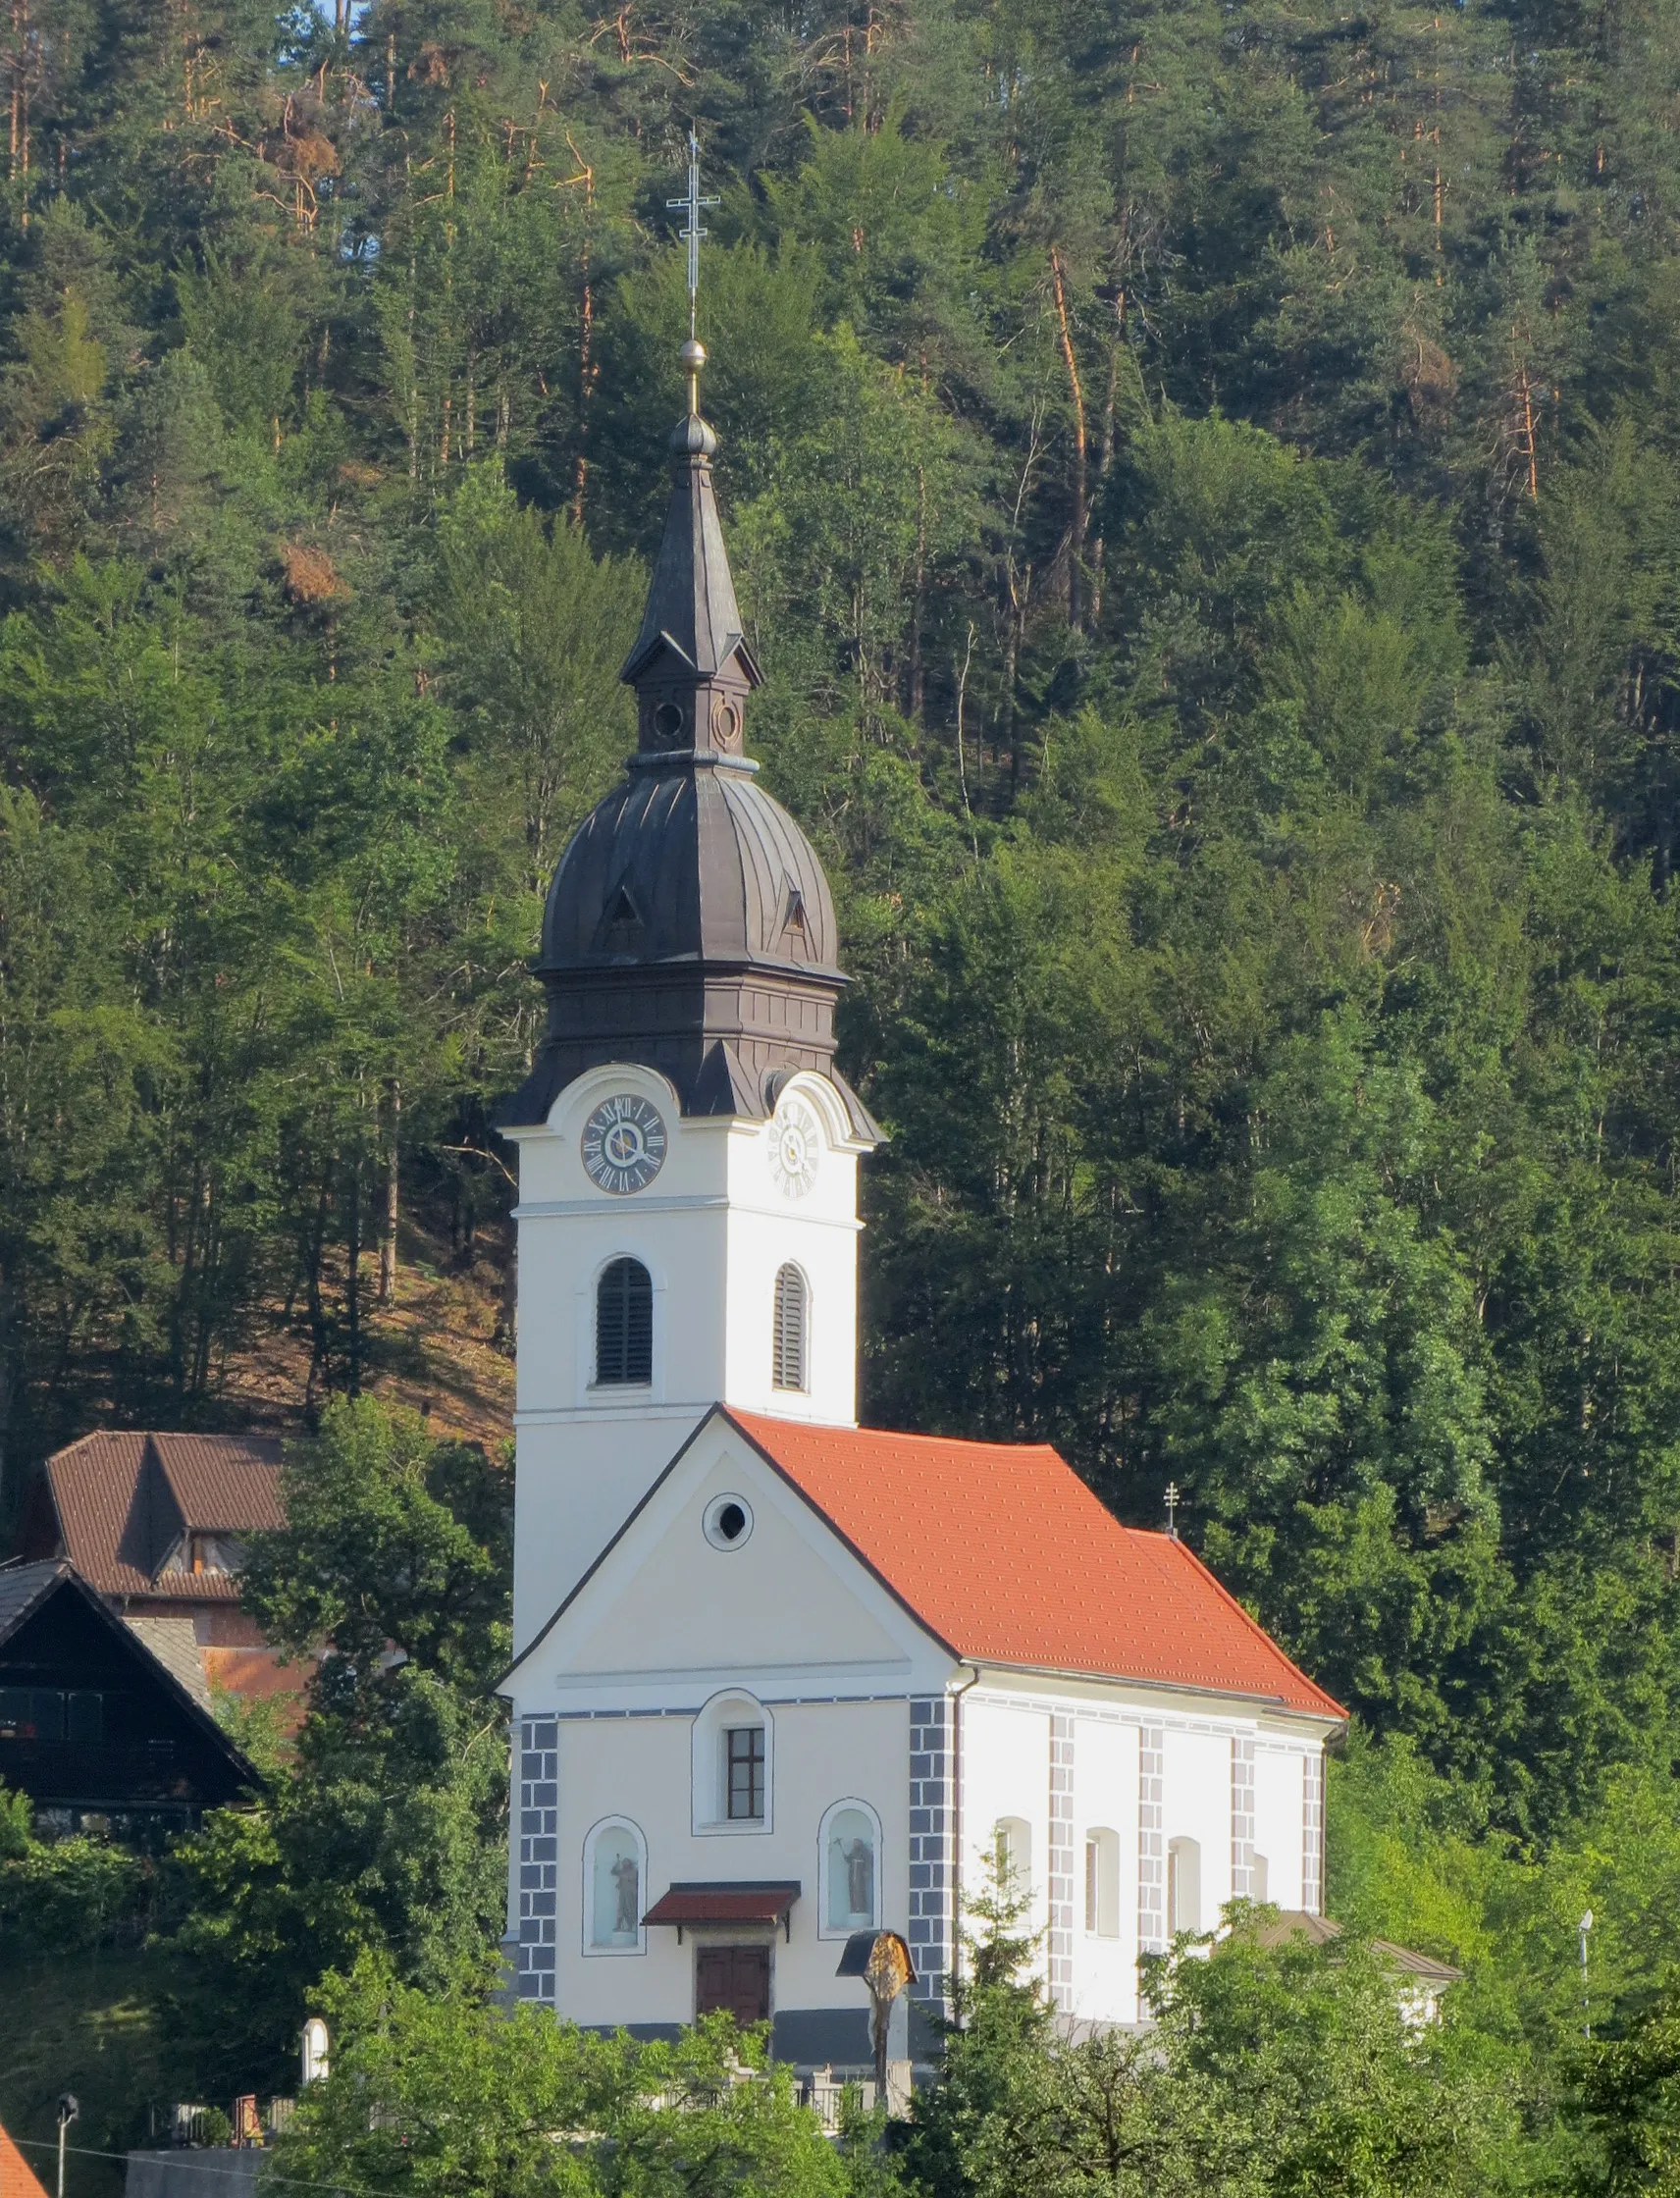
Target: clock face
column 625, row 1144
column 795, row 1145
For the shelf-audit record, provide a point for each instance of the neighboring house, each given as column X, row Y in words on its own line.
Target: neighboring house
column 156, row 1524
column 95, row 1727
column 779, row 1677
column 1419, row 1980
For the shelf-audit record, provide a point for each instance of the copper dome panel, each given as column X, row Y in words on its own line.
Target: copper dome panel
column 697, row 865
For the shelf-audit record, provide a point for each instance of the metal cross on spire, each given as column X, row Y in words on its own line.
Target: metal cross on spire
column 1173, row 1500
column 692, row 205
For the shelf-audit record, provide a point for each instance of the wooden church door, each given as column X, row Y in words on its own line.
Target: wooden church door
column 735, row 1979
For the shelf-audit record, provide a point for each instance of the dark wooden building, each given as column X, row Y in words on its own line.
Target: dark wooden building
column 94, row 1727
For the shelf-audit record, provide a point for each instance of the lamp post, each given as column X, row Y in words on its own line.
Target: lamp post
column 68, row 2111
column 1585, row 1925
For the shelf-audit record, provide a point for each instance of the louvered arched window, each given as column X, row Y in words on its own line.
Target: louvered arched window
column 624, row 1324
column 788, row 1345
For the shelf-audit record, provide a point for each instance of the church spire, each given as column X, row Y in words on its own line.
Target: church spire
column 691, row 666
column 690, row 927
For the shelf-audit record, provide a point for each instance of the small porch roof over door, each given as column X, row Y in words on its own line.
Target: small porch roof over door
column 711, row 1901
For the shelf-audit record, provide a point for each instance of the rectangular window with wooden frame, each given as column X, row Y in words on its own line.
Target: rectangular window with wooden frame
column 744, row 1773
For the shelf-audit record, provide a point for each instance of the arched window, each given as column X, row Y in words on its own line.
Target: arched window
column 787, row 1347
column 1102, row 1884
column 614, row 1888
column 1013, row 1845
column 624, row 1324
column 734, row 1765
column 849, row 1866
column 1184, row 1885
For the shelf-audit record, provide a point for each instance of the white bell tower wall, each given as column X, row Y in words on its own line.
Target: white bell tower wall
column 733, row 1202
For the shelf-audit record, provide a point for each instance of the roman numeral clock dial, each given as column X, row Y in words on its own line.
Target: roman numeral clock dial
column 623, row 1145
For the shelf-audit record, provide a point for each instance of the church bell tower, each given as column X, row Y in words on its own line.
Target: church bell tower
column 687, row 1217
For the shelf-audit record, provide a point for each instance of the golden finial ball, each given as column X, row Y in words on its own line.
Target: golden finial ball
column 693, row 356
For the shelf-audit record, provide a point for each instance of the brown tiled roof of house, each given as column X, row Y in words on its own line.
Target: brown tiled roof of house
column 223, row 1482
column 122, row 1501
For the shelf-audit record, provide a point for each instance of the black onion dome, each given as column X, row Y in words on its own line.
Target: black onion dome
column 690, row 926
column 696, row 865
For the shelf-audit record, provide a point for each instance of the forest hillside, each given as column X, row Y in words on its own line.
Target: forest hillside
column 1202, row 479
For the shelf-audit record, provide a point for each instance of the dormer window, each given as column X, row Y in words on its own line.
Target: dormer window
column 202, row 1553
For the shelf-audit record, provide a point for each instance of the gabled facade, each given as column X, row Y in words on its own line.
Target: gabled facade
column 94, row 1726
column 889, row 1641
column 778, row 1678
column 156, row 1524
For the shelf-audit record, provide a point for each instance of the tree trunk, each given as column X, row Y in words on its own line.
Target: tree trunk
column 354, row 1280
column 506, row 1336
column 587, row 367
column 919, row 600
column 19, row 26
column 1105, row 461
column 313, row 1256
column 1077, row 536
column 388, row 1238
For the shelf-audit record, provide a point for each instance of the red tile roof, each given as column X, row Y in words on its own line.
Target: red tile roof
column 122, row 1500
column 18, row 2180
column 1002, row 1551
column 724, row 1903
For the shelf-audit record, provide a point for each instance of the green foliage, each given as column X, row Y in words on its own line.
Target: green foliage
column 382, row 1834
column 1271, row 2068
column 70, row 1896
column 441, row 2094
column 394, row 1546
column 17, row 1822
column 1628, row 2101
column 1202, row 484
column 389, row 1836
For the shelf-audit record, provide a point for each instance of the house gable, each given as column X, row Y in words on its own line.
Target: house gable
column 670, row 1604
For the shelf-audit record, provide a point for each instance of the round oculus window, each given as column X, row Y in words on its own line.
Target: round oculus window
column 623, row 1144
column 728, row 1522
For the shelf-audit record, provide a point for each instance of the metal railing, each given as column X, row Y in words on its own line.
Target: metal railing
column 192, row 2125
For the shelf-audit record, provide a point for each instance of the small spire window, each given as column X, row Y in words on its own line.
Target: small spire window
column 624, row 1325
column 788, row 1341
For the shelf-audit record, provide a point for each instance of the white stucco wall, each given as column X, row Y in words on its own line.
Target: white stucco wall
column 713, row 1228
column 1280, row 1791
column 1006, row 1728
column 1006, row 1774
column 667, row 1620
column 1105, row 1795
column 1197, row 1805
column 639, row 1768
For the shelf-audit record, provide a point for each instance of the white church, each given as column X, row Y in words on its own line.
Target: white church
column 779, row 1677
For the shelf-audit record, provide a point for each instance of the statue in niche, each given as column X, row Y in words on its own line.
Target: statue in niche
column 624, row 1878
column 859, row 1861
